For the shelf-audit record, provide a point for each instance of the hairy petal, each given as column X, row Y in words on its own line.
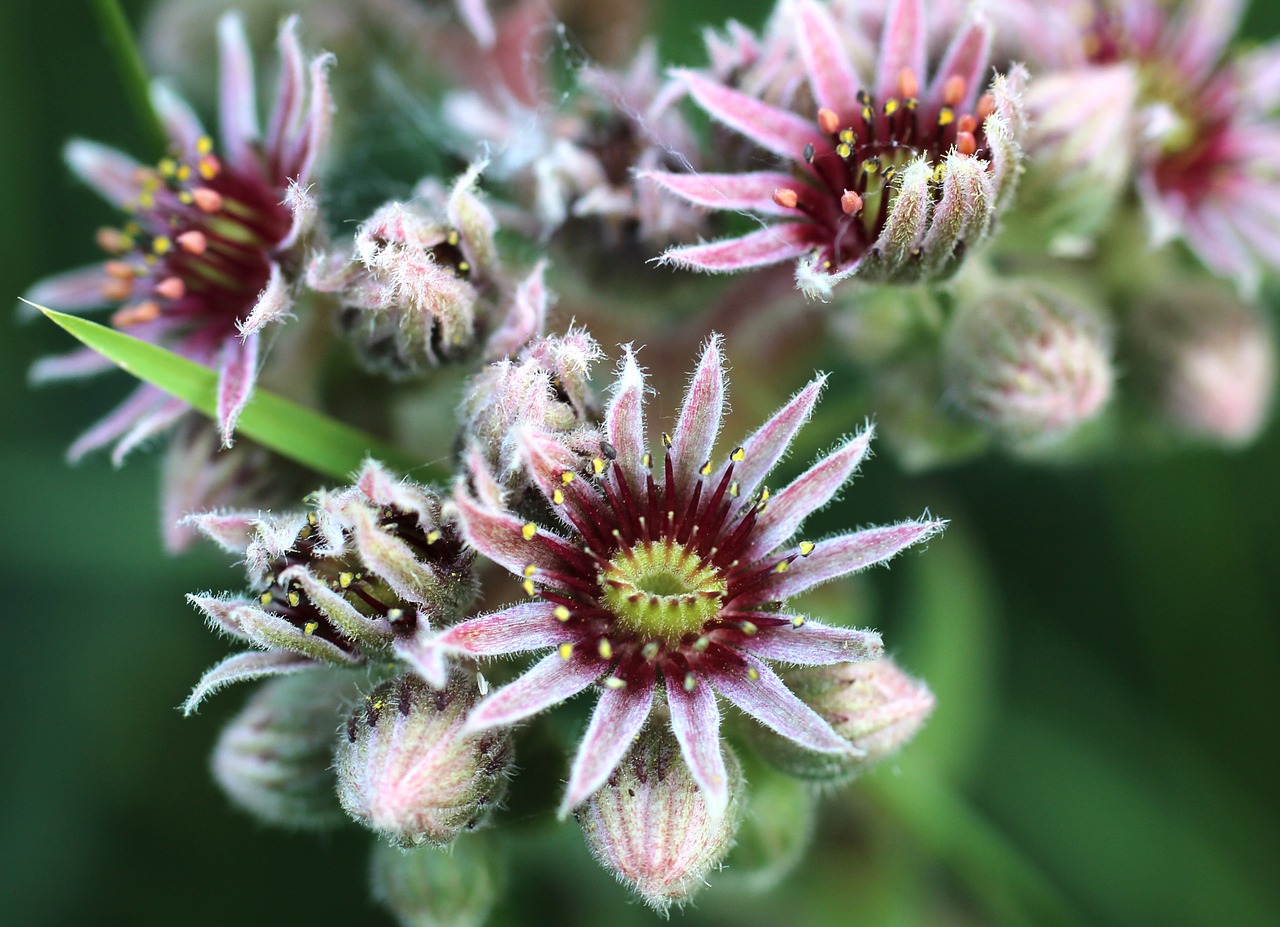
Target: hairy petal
column 902, row 45
column 759, row 692
column 831, row 74
column 618, row 719
column 816, row 644
column 695, row 720
column 519, row 628
column 624, row 419
column 238, row 103
column 700, row 415
column 777, row 130
column 111, row 173
column 769, row 443
column 771, row 245
column 751, row 191
column 237, row 373
column 241, row 667
column 549, row 682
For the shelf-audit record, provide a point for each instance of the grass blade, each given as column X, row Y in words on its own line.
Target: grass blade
column 132, row 70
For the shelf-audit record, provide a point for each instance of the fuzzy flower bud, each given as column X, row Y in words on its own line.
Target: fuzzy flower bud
column 412, row 292
column 275, row 758
column 408, row 769
column 546, row 387
column 874, row 705
column 1029, row 363
column 1206, row 360
column 650, row 824
column 428, row 887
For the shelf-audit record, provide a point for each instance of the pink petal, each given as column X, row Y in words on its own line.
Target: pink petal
column 759, row 692
column 180, row 122
column 291, row 90
column 767, row 246
column 727, row 191
column 500, row 537
column 475, row 13
column 619, row 718
column 110, row 172
column 83, row 362
column 140, row 403
column 147, row 427
column 220, row 613
column 71, row 290
column 700, row 416
column 815, row 644
column 517, row 629
column 525, row 320
column 624, row 419
column 846, row 554
column 232, row 531
column 1203, row 30
column 422, row 657
column 762, row 451
column 901, row 46
column 273, row 304
column 241, row 667
column 238, row 102
column 237, row 373
column 313, row 139
column 774, row 129
column 547, row 460
column 549, row 682
column 695, row 720
column 831, row 74
column 810, row 491
column 966, row 58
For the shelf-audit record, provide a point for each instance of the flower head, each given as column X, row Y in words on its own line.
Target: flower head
column 895, row 178
column 668, row 574
column 207, row 256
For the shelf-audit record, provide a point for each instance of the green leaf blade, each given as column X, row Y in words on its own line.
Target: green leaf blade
column 303, row 435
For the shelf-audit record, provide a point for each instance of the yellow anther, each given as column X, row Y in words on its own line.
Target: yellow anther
column 294, row 599
column 565, row 650
column 597, row 466
column 395, row 614
column 562, row 613
column 650, row 650
column 613, row 682
column 647, row 460
column 733, row 489
column 844, row 151
column 738, row 456
column 528, row 587
column 748, row 628
column 204, row 145
column 529, row 570
column 528, row 531
column 433, row 535
column 452, row 238
column 464, row 267
column 666, row 440
column 702, row 643
column 345, row 579
column 310, row 627
column 946, row 116
column 168, row 167
column 557, row 497
column 312, row 519
column 183, row 173
column 764, row 494
column 806, row 548
column 782, row 567
column 605, row 649
column 705, row 470
column 567, row 477
column 265, row 598
column 890, row 106
column 797, row 622
column 162, row 245
column 868, row 114
column 690, row 682
column 752, row 673
column 847, row 136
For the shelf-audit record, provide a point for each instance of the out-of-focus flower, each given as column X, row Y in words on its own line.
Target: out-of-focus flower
column 357, row 577
column 679, row 577
column 275, row 758
column 653, row 827
column 210, row 253
column 546, row 387
column 1028, row 362
column 1206, row 360
column 429, row 887
column 896, row 179
column 408, row 770
column 875, row 705
column 424, row 285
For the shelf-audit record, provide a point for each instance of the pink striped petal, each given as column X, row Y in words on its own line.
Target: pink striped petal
column 695, row 720
column 312, row 140
column 244, row 666
column 774, row 129
column 82, row 288
column 547, row 460
column 619, row 718
column 967, row 58
column 1203, row 31
column 831, row 74
column 901, row 46
column 846, row 554
column 762, row 451
column 548, row 682
column 759, row 692
column 752, row 191
column 525, row 320
column 500, row 537
column 237, row 373
column 232, row 531
column 140, row 403
column 273, row 304
column 147, row 427
column 221, row 613
column 291, row 89
column 815, row 644
column 110, row 172
column 810, row 491
column 771, row 245
column 83, row 362
column 517, row 629
column 181, row 124
column 238, row 101
column 624, row 419
column 700, row 416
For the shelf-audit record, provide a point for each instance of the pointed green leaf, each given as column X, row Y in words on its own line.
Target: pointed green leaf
column 291, row 430
column 124, row 48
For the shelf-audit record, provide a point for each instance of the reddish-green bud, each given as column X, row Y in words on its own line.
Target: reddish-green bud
column 275, row 758
column 650, row 825
column 408, row 770
column 428, row 887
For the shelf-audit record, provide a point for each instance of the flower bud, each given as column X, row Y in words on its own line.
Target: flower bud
column 1029, row 363
column 428, row 887
column 650, row 825
column 275, row 758
column 874, row 705
column 1205, row 360
column 408, row 770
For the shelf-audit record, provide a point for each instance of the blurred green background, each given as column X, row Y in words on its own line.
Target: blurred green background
column 1104, row 641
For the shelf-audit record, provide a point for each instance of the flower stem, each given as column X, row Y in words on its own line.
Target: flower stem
column 132, row 69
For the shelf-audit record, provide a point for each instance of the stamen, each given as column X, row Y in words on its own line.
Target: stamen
column 786, row 197
column 908, row 84
column 965, row 143
column 206, row 200
column 828, row 121
column 193, row 242
column 136, row 314
column 171, row 288
column 851, row 203
column 953, row 90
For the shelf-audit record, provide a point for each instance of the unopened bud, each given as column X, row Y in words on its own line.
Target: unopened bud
column 408, row 770
column 650, row 825
column 874, row 705
column 1205, row 360
column 1029, row 363
column 429, row 887
column 275, row 758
